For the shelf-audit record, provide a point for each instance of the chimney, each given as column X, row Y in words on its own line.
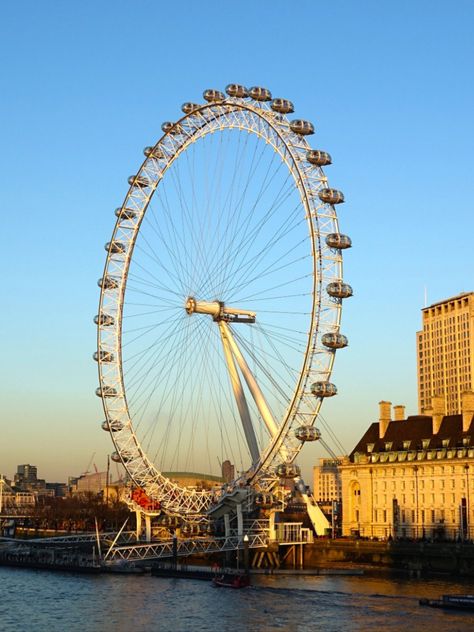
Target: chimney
column 439, row 409
column 385, row 409
column 467, row 409
column 398, row 413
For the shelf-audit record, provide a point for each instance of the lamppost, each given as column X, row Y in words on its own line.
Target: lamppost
column 246, row 554
column 415, row 469
column 371, row 472
column 468, row 522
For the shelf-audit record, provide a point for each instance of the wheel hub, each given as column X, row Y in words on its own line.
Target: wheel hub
column 219, row 311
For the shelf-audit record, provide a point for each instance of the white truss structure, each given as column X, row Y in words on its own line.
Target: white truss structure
column 256, row 118
column 184, row 548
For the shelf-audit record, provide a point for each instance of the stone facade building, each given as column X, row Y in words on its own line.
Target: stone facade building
column 412, row 477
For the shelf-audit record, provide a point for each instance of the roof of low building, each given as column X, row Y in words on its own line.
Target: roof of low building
column 415, row 429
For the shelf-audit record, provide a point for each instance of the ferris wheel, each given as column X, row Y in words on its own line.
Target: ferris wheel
column 220, row 302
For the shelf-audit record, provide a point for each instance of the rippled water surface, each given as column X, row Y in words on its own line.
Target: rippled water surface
column 50, row 601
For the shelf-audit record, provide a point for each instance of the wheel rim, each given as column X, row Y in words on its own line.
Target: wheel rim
column 298, row 405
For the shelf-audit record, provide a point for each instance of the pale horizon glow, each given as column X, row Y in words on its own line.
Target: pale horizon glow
column 87, row 86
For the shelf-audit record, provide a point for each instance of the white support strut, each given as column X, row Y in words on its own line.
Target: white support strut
column 240, row 397
column 251, row 382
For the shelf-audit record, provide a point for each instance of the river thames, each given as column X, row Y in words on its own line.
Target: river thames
column 66, row 602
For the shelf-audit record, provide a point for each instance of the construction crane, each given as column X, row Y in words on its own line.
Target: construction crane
column 88, row 469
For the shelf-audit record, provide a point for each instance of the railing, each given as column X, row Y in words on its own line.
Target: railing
column 126, row 536
column 293, row 533
column 163, row 550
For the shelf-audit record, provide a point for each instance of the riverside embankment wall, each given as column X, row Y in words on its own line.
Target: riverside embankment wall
column 435, row 557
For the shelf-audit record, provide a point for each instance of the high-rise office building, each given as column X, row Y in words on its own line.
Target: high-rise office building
column 327, row 480
column 26, row 474
column 445, row 352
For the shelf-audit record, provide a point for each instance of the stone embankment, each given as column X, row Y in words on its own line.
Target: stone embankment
column 77, row 559
column 411, row 557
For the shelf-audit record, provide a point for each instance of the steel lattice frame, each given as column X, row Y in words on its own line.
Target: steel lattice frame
column 257, row 118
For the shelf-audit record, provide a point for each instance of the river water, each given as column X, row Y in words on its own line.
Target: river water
column 37, row 601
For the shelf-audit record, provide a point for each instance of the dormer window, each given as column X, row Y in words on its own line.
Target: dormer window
column 406, row 444
column 445, row 443
column 370, row 447
column 425, row 443
column 466, row 441
column 388, row 445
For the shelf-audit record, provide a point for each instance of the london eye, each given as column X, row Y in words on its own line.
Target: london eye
column 220, row 302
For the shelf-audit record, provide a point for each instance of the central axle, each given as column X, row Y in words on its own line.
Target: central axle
column 219, row 311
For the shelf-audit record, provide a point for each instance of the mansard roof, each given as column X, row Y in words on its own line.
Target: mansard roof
column 415, row 429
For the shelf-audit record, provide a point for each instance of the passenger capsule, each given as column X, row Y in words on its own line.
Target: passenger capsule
column 283, row 106
column 115, row 247
column 331, row 196
column 191, row 529
column 108, row 283
column 106, row 391
column 211, row 95
column 288, row 470
column 154, row 152
column 260, row 94
column 188, row 107
column 139, row 181
column 338, row 240
column 318, row 157
column 103, row 356
column 334, row 341
column 236, row 90
column 171, row 128
column 112, row 426
column 303, row 128
column 265, row 501
column 125, row 213
column 307, row 433
column 104, row 320
column 338, row 289
column 323, row 389
column 124, row 457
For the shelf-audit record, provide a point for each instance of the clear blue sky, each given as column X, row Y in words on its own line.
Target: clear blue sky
column 86, row 85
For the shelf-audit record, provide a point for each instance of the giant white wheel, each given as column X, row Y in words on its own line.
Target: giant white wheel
column 221, row 297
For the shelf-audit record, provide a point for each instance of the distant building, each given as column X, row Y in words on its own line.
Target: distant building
column 58, row 489
column 445, row 353
column 194, row 480
column 90, row 483
column 26, row 480
column 327, row 484
column 228, row 471
column 26, row 474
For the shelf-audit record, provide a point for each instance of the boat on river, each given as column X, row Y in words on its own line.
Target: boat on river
column 231, row 581
column 454, row 602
